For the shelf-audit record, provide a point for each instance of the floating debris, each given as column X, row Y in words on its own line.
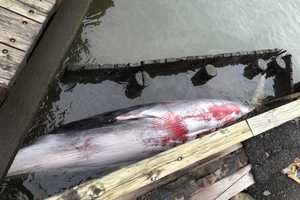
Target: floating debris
column 267, row 193
column 293, row 170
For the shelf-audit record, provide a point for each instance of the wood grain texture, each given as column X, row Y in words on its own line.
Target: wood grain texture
column 179, row 181
column 17, row 31
column 21, row 22
column 44, row 6
column 25, row 9
column 274, row 117
column 199, row 176
column 149, row 171
column 227, row 187
column 10, row 60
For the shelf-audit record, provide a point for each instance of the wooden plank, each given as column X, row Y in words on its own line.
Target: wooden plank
column 199, row 176
column 274, row 117
column 209, row 163
column 26, row 9
column 10, row 59
column 227, row 187
column 132, row 179
column 135, row 177
column 198, row 59
column 44, row 6
column 33, row 82
column 17, row 31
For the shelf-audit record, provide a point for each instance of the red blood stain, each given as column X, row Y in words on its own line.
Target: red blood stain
column 86, row 144
column 175, row 128
column 219, row 112
column 229, row 121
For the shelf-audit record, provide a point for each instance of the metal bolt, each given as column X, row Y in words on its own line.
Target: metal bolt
column 179, row 158
column 4, row 51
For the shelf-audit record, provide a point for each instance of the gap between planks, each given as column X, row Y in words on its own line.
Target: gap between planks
column 147, row 173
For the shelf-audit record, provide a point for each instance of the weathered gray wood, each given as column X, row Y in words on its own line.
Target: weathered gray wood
column 44, row 6
column 17, row 31
column 32, row 84
column 274, row 117
column 22, row 8
column 227, row 187
column 10, row 59
column 199, row 176
column 20, row 26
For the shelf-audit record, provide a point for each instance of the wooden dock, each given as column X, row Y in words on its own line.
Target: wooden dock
column 35, row 39
column 21, row 24
column 139, row 178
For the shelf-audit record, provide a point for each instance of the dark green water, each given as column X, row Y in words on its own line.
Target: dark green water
column 130, row 31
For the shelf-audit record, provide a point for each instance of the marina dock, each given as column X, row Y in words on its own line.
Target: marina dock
column 22, row 23
column 35, row 36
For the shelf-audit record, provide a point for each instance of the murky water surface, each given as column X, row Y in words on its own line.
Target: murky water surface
column 123, row 31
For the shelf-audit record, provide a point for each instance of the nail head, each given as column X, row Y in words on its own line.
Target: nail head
column 5, row 51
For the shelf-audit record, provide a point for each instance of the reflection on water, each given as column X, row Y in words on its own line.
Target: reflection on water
column 122, row 31
column 133, row 30
column 82, row 94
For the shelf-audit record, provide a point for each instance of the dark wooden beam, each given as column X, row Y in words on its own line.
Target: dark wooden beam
column 24, row 97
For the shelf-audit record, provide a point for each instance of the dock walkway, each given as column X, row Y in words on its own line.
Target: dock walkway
column 21, row 24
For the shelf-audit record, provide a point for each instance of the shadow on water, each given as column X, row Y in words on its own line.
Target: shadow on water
column 80, row 47
column 99, row 91
column 79, row 95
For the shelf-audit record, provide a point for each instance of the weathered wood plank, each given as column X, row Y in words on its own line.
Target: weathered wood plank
column 198, row 168
column 10, row 59
column 25, row 9
column 227, row 187
column 136, row 176
column 120, row 184
column 274, row 117
column 199, row 176
column 32, row 86
column 269, row 52
column 17, row 31
column 44, row 6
